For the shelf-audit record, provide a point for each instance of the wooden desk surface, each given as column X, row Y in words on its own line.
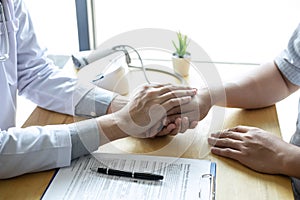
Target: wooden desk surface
column 234, row 181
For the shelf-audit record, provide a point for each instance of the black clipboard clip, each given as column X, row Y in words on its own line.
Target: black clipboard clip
column 212, row 177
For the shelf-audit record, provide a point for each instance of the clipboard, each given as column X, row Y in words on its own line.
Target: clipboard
column 182, row 177
column 212, row 179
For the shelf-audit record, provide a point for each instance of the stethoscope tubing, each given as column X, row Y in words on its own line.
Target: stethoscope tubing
column 4, row 49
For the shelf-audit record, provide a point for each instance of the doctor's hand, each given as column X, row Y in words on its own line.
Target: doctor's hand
column 170, row 127
column 144, row 116
column 255, row 148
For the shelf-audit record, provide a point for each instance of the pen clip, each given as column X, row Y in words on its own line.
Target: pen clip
column 94, row 169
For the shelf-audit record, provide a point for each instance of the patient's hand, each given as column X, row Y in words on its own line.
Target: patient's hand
column 179, row 125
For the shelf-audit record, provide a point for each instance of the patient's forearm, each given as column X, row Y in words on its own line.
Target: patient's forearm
column 259, row 88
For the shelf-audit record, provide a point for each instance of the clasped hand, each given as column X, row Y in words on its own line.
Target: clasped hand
column 146, row 113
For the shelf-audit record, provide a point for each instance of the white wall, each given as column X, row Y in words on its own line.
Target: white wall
column 228, row 30
column 55, row 24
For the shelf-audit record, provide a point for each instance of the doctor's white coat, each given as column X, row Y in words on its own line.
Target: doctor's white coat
column 28, row 72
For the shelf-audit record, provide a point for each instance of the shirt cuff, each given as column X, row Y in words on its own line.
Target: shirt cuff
column 94, row 103
column 85, row 137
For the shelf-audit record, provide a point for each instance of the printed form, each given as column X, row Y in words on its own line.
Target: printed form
column 183, row 178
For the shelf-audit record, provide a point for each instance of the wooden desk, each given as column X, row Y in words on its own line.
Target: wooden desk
column 234, row 181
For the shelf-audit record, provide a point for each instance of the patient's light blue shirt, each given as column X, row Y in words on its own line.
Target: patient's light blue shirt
column 288, row 63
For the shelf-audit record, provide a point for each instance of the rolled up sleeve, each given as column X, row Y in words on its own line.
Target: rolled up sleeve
column 288, row 61
column 94, row 103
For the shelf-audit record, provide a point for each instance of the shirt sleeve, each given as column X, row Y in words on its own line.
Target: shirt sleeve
column 32, row 149
column 39, row 148
column 94, row 103
column 85, row 137
column 288, row 61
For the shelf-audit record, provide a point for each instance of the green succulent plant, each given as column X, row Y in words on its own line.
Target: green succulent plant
column 182, row 45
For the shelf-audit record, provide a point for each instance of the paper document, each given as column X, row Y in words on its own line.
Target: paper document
column 183, row 178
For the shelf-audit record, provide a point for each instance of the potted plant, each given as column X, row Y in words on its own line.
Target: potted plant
column 181, row 58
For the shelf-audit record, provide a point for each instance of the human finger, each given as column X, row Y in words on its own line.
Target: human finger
column 174, row 132
column 175, row 110
column 227, row 152
column 182, row 109
column 241, row 129
column 190, row 124
column 175, row 94
column 184, row 124
column 192, row 116
column 178, row 127
column 172, row 118
column 169, row 104
column 154, row 130
column 167, row 130
column 153, row 96
column 227, row 134
column 192, row 106
column 152, row 92
column 193, row 124
column 169, row 87
column 157, row 111
column 158, row 85
column 224, row 142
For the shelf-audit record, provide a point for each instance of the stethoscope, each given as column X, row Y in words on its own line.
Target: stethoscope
column 81, row 61
column 4, row 41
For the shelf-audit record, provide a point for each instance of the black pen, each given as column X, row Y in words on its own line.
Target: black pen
column 139, row 175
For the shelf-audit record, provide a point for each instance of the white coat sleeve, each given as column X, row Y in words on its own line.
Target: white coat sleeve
column 36, row 148
column 45, row 84
column 39, row 148
column 38, row 79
